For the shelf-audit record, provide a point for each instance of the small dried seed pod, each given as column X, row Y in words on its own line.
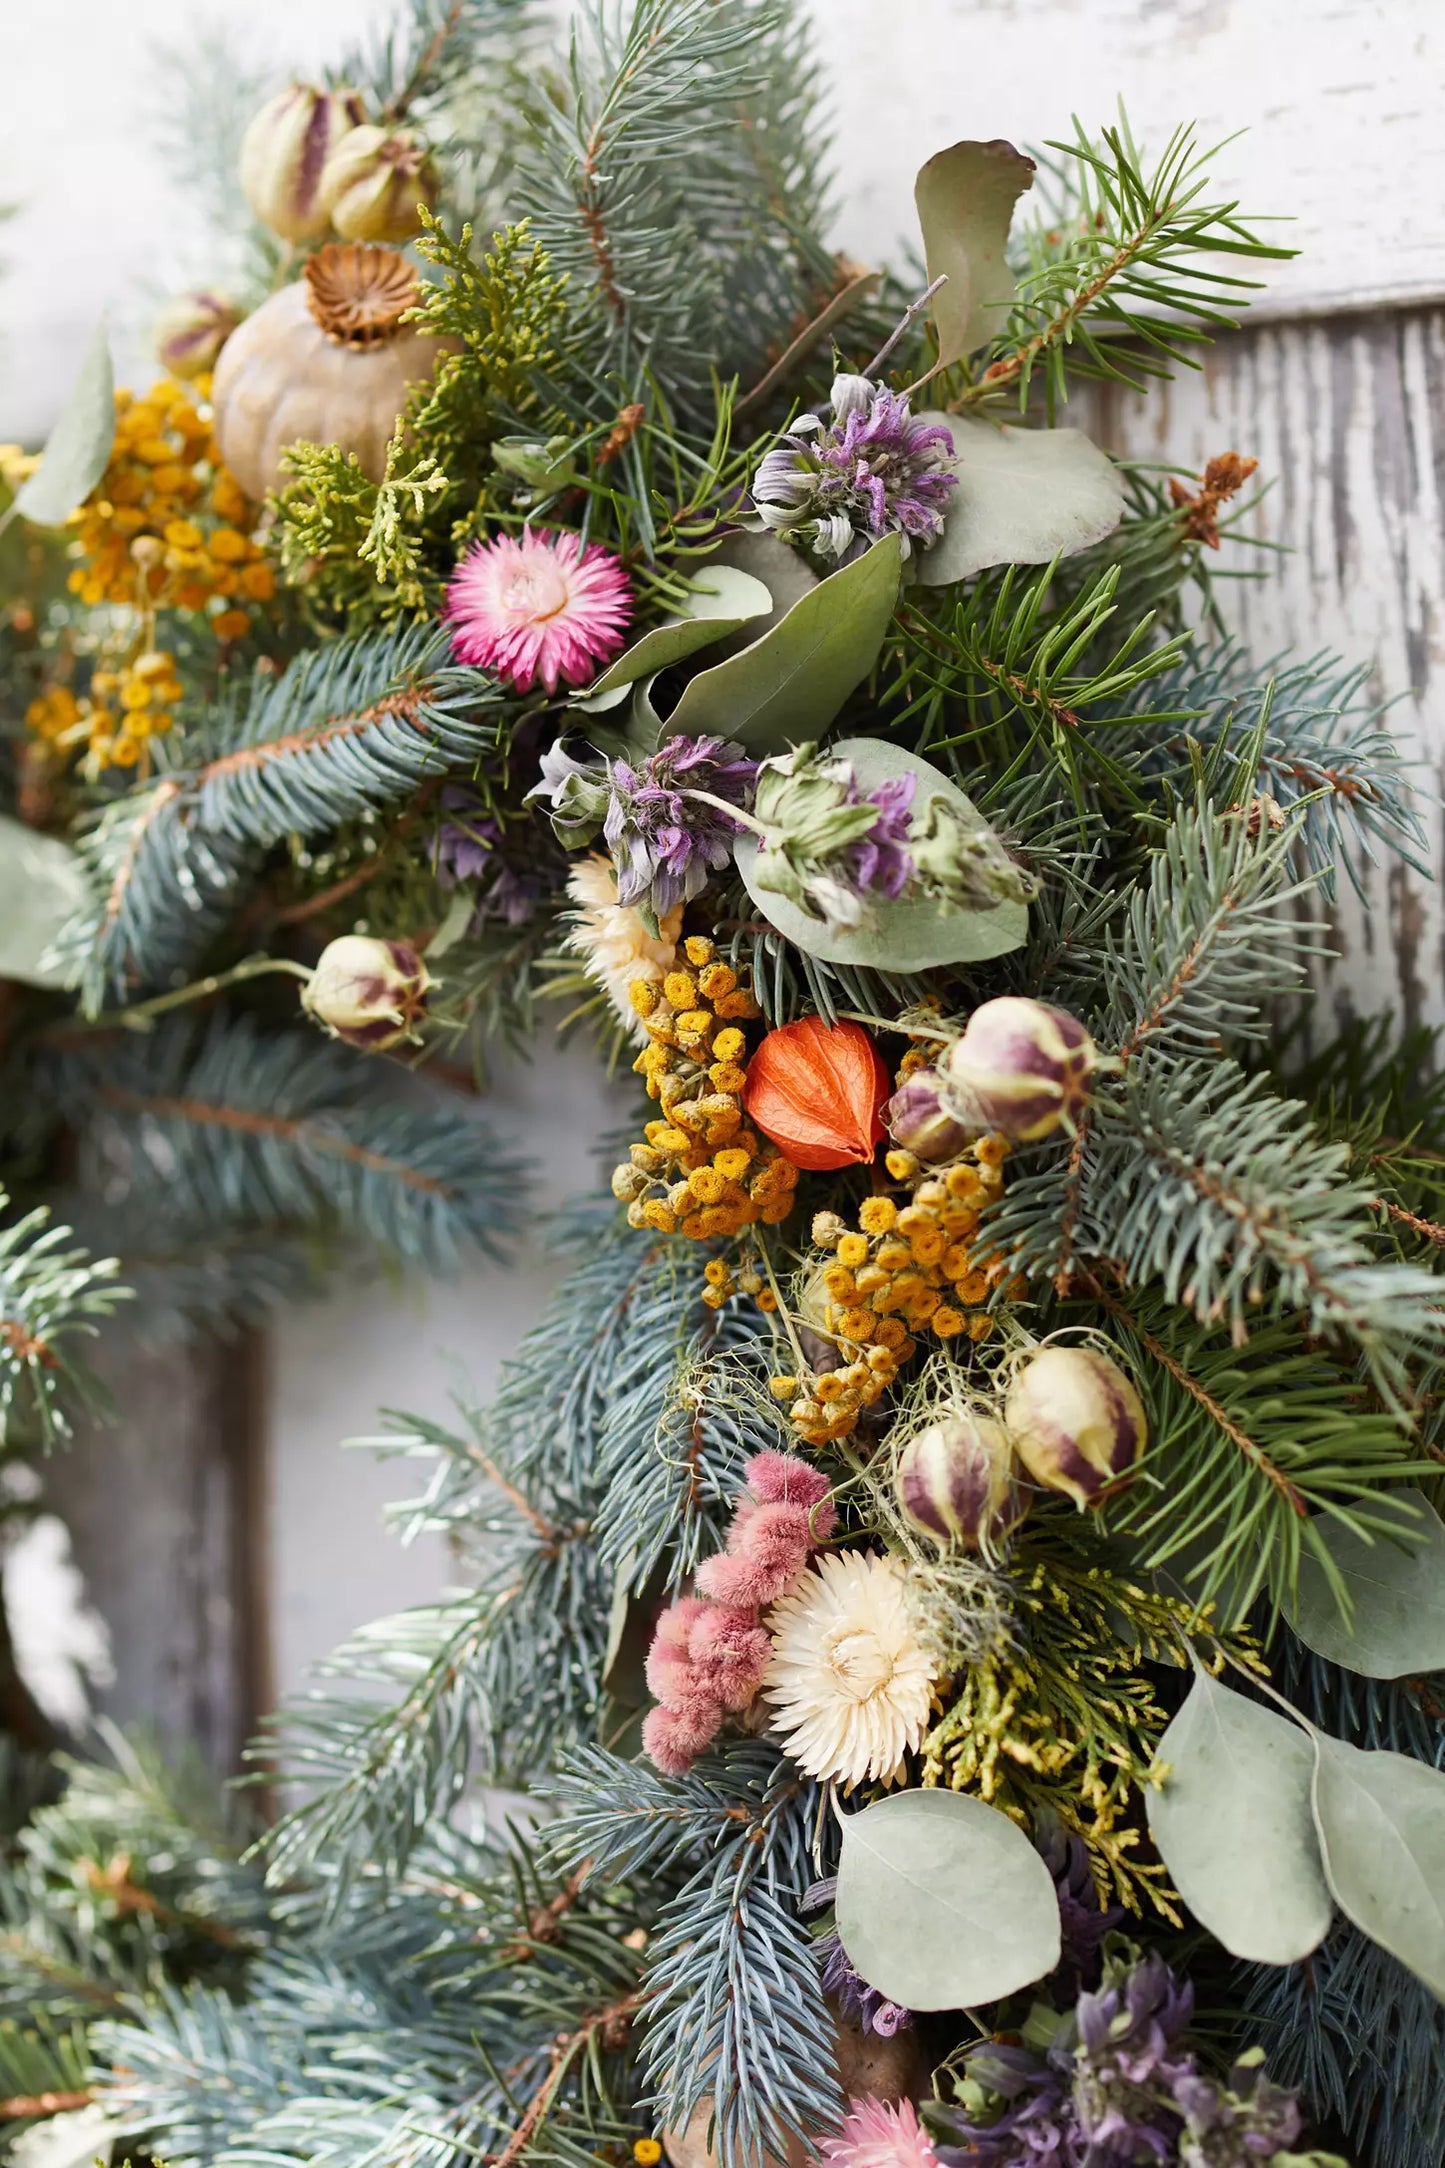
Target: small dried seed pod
column 1076, row 1422
column 918, row 1120
column 958, row 1482
column 284, row 152
column 1020, row 1067
column 370, row 993
column 374, row 183
column 191, row 332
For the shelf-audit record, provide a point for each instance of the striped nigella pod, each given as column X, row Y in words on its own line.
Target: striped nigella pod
column 1076, row 1422
column 958, row 1482
column 1020, row 1067
column 284, row 150
column 917, row 1119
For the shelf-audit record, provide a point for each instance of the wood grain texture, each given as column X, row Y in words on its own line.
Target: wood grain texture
column 1339, row 101
column 1347, row 420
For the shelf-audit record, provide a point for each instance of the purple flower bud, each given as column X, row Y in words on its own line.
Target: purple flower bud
column 958, row 1482
column 918, row 1120
column 284, row 150
column 370, row 993
column 1020, row 1067
column 1076, row 1422
column 192, row 331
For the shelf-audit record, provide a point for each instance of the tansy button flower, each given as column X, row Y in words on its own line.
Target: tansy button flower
column 538, row 605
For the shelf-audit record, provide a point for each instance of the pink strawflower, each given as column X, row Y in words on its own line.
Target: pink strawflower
column 670, row 1675
column 874, row 2134
column 673, row 1738
column 730, row 1652
column 538, row 605
column 768, row 1549
column 782, row 1479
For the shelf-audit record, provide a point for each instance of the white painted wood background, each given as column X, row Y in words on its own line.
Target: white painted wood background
column 1341, row 396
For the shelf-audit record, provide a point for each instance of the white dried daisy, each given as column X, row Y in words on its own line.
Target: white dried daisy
column 610, row 937
column 851, row 1677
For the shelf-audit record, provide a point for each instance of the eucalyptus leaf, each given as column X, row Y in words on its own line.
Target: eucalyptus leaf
column 1381, row 1824
column 942, row 1903
column 78, row 446
column 965, row 198
column 722, row 600
column 41, row 888
column 1024, row 497
column 1397, row 1597
column 1233, row 1825
column 790, row 684
column 899, row 933
column 783, row 570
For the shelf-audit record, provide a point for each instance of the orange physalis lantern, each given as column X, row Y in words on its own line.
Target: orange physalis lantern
column 819, row 1093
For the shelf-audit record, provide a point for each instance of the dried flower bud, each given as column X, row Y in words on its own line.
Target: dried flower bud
column 1020, row 1068
column 958, row 1482
column 284, row 152
column 918, row 1119
column 1076, row 1422
column 374, row 182
column 191, row 332
column 368, row 992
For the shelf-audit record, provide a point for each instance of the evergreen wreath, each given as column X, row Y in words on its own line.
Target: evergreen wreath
column 956, row 1571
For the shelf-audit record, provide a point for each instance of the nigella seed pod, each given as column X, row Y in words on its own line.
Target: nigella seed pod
column 375, row 183
column 1020, row 1068
column 958, row 1482
column 1076, row 1422
column 918, row 1119
column 191, row 332
column 371, row 993
column 284, row 153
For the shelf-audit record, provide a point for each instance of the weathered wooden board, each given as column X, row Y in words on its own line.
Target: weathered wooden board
column 1338, row 100
column 1347, row 420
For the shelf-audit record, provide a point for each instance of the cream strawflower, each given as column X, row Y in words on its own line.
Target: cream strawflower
column 610, row 937
column 851, row 1679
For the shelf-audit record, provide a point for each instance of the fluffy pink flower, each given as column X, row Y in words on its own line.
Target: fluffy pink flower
column 538, row 605
column 874, row 2134
column 670, row 1675
column 767, row 1550
column 730, row 1652
column 673, row 1738
column 782, row 1479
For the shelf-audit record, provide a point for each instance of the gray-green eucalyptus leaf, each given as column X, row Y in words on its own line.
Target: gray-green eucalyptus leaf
column 78, row 446
column 1397, row 1597
column 1024, row 497
column 1233, row 1825
column 900, row 933
column 943, row 1903
column 965, row 198
column 41, row 888
column 722, row 600
column 1381, row 1824
column 790, row 684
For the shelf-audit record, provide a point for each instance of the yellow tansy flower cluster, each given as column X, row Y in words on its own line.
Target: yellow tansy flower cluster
column 903, row 1269
column 167, row 527
column 702, row 1171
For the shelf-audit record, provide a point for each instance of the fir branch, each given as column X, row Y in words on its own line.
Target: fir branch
column 435, row 48
column 52, row 1292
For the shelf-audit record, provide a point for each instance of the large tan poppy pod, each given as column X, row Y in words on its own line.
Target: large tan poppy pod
column 327, row 360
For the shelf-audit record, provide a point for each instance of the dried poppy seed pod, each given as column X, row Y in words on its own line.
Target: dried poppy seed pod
column 1020, row 1068
column 1076, row 1422
column 284, row 152
column 191, row 332
column 375, row 182
column 370, row 993
column 958, row 1482
column 918, row 1119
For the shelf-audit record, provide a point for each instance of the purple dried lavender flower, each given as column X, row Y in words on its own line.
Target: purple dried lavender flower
column 1083, row 1923
column 664, row 839
column 880, row 863
column 855, row 1998
column 467, row 855
column 869, row 470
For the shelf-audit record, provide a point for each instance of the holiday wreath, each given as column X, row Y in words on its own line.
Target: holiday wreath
column 955, row 1569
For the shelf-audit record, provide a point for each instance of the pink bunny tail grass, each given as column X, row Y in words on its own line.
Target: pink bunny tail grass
column 538, row 605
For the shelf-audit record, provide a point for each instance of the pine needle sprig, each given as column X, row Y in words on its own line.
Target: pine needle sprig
column 52, row 1293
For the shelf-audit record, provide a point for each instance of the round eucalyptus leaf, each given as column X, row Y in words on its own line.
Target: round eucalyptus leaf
column 78, row 446
column 783, row 570
column 1381, row 1824
column 42, row 887
column 899, row 933
column 722, row 600
column 943, row 1904
column 1024, row 496
column 1397, row 1596
column 1234, row 1827
column 789, row 685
